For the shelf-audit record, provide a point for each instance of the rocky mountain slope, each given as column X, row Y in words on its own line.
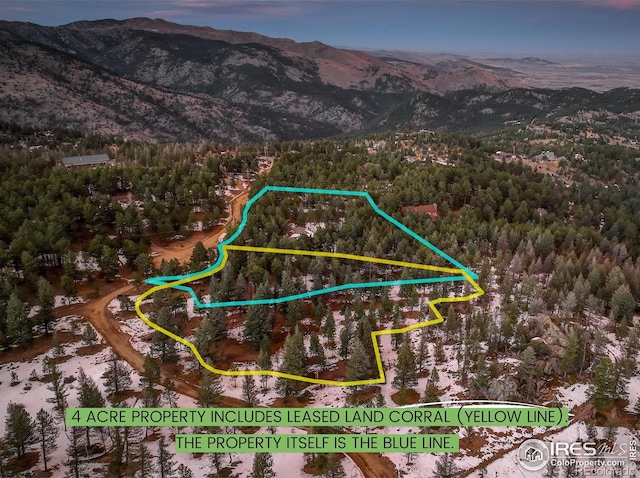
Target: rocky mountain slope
column 159, row 81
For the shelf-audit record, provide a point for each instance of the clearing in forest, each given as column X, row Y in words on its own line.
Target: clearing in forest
column 350, row 244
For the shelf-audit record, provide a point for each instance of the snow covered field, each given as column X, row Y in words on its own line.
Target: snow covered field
column 34, row 394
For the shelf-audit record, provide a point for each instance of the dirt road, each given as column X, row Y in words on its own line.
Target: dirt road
column 181, row 250
column 372, row 465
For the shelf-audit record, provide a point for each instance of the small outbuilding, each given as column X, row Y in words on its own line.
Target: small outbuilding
column 87, row 160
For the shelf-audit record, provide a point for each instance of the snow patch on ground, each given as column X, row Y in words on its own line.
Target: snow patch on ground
column 59, row 301
column 573, row 395
column 137, row 329
column 34, row 394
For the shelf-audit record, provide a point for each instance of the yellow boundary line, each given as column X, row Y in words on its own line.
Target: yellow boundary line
column 381, row 378
column 340, row 255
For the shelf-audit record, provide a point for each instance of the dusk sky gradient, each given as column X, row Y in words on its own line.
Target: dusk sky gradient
column 546, row 28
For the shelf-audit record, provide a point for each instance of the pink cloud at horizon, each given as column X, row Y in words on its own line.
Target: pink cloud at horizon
column 623, row 4
column 239, row 7
column 279, row 4
column 168, row 13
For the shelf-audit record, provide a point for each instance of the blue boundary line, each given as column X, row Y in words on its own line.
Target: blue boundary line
column 316, row 292
column 157, row 281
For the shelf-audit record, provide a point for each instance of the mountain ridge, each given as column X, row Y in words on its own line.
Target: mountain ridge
column 160, row 81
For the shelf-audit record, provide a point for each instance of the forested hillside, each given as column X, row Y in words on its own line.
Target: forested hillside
column 153, row 80
column 557, row 255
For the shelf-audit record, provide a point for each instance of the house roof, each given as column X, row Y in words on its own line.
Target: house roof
column 430, row 209
column 86, row 160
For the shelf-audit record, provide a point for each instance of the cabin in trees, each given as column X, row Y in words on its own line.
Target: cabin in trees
column 430, row 209
column 89, row 160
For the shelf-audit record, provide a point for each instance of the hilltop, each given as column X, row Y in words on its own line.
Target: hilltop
column 159, row 81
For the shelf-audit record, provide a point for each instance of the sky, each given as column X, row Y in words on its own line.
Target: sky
column 544, row 28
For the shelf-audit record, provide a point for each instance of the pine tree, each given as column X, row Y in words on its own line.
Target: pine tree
column 262, row 466
column 240, row 288
column 527, row 372
column 294, row 362
column 622, row 303
column 264, row 361
column 439, row 355
column 46, row 303
column 29, row 267
column 334, row 468
column 315, row 347
column 202, row 334
column 294, row 312
column 89, row 396
column 570, row 470
column 144, row 264
column 431, row 391
column 218, row 322
column 636, row 408
column 210, row 391
column 150, row 372
column 109, row 263
column 216, row 463
column 198, row 259
column 162, row 345
column 165, row 465
column 19, row 429
column 5, row 456
column 551, row 470
column 398, row 323
column 258, row 323
column 358, row 366
column 249, row 392
column 603, row 390
column 73, row 452
column 422, row 360
column 149, row 378
column 47, row 433
column 234, row 377
column 169, row 394
column 184, row 471
column 592, row 432
column 405, row 368
column 345, row 342
column 568, row 305
column 317, row 312
column 320, row 461
column 329, row 328
column 19, row 329
column 117, row 377
column 446, row 467
column 453, row 323
column 68, row 287
column 116, row 457
column 57, row 385
column 287, row 289
column 386, row 304
column 611, row 431
column 480, row 382
column 363, row 333
column 145, row 462
column 56, row 345
column 89, row 335
column 569, row 361
column 630, row 353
